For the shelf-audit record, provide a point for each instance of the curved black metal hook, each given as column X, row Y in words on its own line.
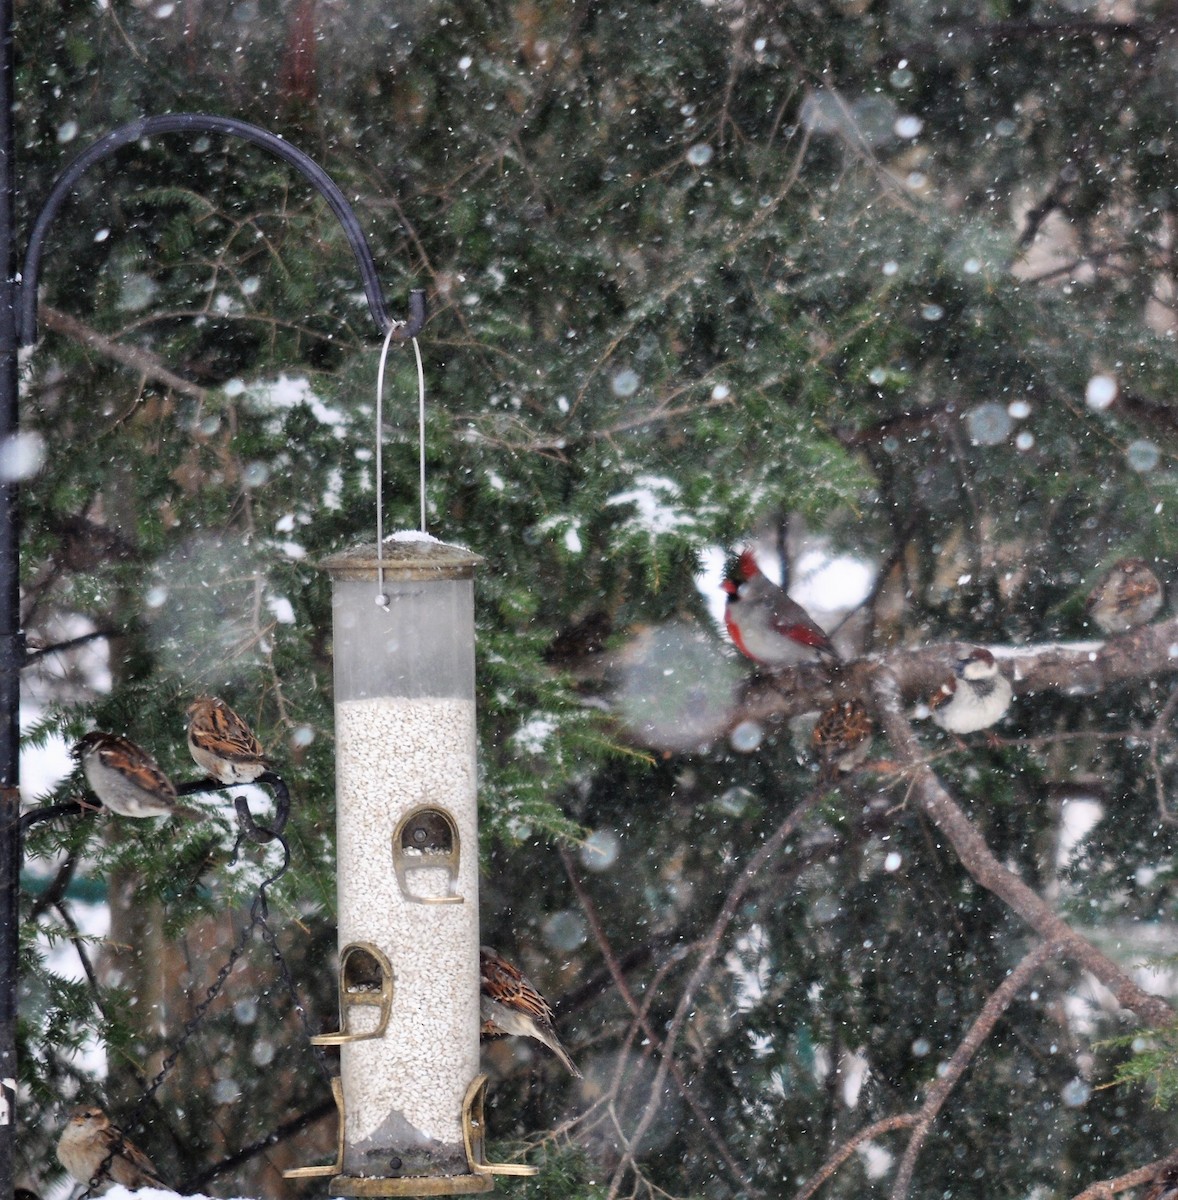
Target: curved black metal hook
column 206, row 123
column 261, row 834
column 248, row 829
column 260, row 909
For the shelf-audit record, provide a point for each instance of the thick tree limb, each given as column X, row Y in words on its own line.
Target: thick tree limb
column 1073, row 667
column 979, row 860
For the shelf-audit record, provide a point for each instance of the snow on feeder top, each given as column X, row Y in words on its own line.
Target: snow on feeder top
column 406, row 818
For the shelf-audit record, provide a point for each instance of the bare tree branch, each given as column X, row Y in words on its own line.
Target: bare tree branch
column 706, row 1124
column 710, row 949
column 998, row 1002
column 1106, row 1188
column 840, row 1156
column 147, row 364
column 1156, row 733
column 979, row 860
column 282, row 1133
column 38, row 652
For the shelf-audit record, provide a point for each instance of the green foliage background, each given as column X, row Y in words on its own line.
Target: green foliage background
column 673, row 250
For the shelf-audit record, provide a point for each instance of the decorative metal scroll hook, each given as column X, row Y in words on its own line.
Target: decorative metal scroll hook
column 206, row 123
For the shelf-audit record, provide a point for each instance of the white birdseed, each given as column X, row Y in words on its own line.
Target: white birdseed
column 405, row 1090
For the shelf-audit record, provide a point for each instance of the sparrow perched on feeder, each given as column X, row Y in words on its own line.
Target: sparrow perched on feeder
column 511, row 1006
column 1129, row 595
column 222, row 744
column 126, row 778
column 90, row 1145
column 973, row 697
column 766, row 625
column 841, row 739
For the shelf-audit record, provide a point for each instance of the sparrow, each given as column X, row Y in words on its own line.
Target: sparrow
column 126, row 778
column 90, row 1145
column 766, row 625
column 973, row 697
column 841, row 739
column 1129, row 595
column 223, row 744
column 511, row 1006
column 1165, row 1183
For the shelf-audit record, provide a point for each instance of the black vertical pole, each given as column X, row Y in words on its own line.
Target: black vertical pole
column 17, row 323
column 11, row 647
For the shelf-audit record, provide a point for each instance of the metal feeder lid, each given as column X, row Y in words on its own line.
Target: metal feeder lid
column 408, row 555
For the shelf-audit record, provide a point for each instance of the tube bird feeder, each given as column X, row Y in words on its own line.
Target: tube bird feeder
column 407, row 870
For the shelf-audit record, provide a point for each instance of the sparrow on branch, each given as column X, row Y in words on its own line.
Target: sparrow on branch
column 511, row 1006
column 841, row 739
column 1130, row 594
column 974, row 697
column 90, row 1146
column 126, row 778
column 766, row 625
column 222, row 744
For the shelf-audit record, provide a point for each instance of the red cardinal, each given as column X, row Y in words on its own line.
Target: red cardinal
column 766, row 625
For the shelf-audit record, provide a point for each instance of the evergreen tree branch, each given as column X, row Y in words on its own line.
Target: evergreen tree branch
column 73, row 643
column 979, row 860
column 996, row 1004
column 706, row 1123
column 147, row 364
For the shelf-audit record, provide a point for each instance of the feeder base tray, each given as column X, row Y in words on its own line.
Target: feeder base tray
column 412, row 1185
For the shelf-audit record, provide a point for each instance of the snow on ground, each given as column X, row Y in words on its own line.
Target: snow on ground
column 122, row 1193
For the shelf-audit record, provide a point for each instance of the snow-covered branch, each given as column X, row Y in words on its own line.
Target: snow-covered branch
column 1076, row 668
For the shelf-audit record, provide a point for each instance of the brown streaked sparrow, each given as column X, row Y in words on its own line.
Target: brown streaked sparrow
column 841, row 739
column 90, row 1144
column 126, row 778
column 1165, row 1183
column 975, row 696
column 1128, row 595
column 511, row 1006
column 766, row 625
column 222, row 744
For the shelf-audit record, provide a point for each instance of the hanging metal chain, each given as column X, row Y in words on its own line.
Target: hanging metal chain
column 259, row 912
column 193, row 1023
column 284, row 973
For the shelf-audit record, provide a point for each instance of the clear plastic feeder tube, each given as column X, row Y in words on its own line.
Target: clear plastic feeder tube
column 407, row 873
